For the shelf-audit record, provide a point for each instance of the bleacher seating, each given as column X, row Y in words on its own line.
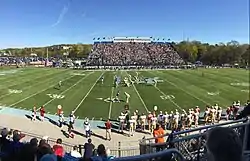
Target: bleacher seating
column 127, row 54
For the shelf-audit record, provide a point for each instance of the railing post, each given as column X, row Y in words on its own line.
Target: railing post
column 245, row 138
column 119, row 149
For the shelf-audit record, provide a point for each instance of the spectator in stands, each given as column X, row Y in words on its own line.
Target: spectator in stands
column 75, row 153
column 58, row 148
column 101, row 154
column 52, row 157
column 27, row 153
column 43, row 149
column 4, row 142
column 88, row 150
column 223, row 144
column 159, row 134
column 108, row 126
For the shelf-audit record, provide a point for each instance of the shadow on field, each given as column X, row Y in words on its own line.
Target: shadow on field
column 30, row 117
column 98, row 136
column 113, row 130
column 52, row 121
column 78, row 133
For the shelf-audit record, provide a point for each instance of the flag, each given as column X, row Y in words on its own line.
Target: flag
column 98, row 38
column 104, row 38
column 93, row 38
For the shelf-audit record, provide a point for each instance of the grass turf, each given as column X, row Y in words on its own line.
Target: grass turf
column 82, row 91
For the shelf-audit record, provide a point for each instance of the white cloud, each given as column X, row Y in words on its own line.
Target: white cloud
column 61, row 16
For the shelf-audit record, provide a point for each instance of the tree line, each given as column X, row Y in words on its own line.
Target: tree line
column 214, row 54
column 191, row 51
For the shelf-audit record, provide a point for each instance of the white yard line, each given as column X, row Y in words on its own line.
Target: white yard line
column 168, row 99
column 111, row 103
column 139, row 95
column 66, row 90
column 173, row 84
column 40, row 82
column 87, row 93
column 38, row 92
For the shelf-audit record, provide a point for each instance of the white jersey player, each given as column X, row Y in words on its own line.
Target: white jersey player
column 127, row 97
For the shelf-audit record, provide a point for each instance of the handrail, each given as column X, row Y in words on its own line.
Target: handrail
column 195, row 135
column 199, row 128
column 151, row 155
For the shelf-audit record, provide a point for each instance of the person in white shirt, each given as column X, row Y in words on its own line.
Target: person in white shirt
column 213, row 111
column 196, row 118
column 72, row 119
column 134, row 117
column 176, row 120
column 189, row 119
column 154, row 122
column 160, row 118
column 127, row 97
column 166, row 120
column 61, row 119
column 219, row 114
column 75, row 153
column 131, row 127
column 87, row 128
column 143, row 118
column 122, row 121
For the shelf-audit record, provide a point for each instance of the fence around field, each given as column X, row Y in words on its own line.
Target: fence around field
column 191, row 143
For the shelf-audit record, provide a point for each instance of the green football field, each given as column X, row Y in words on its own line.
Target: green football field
column 83, row 92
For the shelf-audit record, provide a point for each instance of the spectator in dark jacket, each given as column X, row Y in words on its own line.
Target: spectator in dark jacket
column 88, row 150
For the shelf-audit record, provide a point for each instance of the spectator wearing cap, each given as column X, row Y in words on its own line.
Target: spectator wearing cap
column 58, row 148
column 88, row 150
column 101, row 154
column 223, row 144
column 75, row 153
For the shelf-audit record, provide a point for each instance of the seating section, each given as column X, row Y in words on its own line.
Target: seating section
column 128, row 54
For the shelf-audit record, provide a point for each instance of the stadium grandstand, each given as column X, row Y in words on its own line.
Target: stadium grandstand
column 133, row 51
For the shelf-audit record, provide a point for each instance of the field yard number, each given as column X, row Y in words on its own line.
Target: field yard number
column 56, row 96
column 167, row 97
column 15, row 91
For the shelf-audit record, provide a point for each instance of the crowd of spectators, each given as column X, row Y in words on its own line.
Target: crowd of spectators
column 13, row 149
column 134, row 53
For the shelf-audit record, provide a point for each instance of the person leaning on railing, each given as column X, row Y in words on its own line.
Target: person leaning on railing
column 157, row 133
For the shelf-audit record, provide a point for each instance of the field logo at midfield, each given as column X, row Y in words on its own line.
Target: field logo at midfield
column 167, row 97
column 247, row 91
column 15, row 91
column 240, row 84
column 108, row 100
column 213, row 93
column 150, row 80
column 79, row 74
column 56, row 96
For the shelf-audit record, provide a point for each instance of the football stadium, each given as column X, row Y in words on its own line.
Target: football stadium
column 93, row 95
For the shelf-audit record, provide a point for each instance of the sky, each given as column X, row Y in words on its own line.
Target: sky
column 30, row 23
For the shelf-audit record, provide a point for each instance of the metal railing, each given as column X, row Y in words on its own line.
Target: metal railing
column 192, row 146
column 165, row 155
